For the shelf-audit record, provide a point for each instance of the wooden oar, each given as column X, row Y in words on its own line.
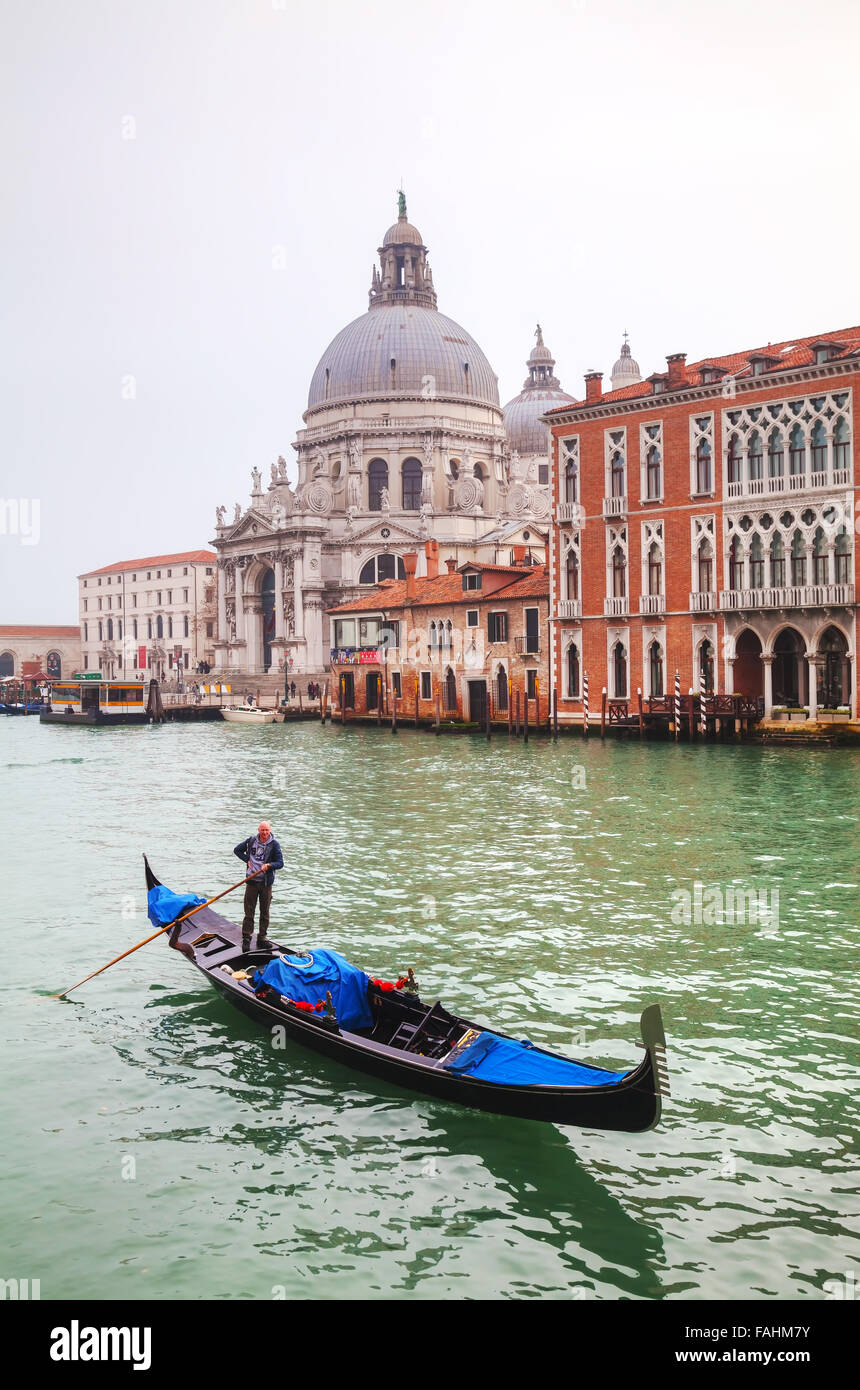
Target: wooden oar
column 160, row 932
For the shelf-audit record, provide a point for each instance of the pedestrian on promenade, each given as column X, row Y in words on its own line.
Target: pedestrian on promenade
column 256, row 851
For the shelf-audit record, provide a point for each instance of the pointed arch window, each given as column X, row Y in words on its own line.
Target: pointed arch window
column 571, row 482
column 756, row 563
column 655, row 669
column 704, row 473
column 572, row 575
column 706, row 667
column 573, row 672
column 735, row 460
column 377, row 479
column 819, row 447
column 841, row 444
column 775, row 455
column 616, row 474
column 653, row 474
column 736, row 564
column 842, row 557
column 655, row 569
column 798, row 560
column 820, row 558
column 796, row 452
column 619, row 671
column 706, row 567
column 755, row 457
column 777, row 562
column 411, row 484
column 619, row 573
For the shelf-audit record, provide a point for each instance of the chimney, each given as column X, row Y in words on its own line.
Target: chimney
column 451, row 564
column 519, row 554
column 593, row 386
column 677, row 370
column 410, row 564
column 431, row 550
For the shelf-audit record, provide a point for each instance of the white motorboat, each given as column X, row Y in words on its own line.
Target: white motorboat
column 248, row 714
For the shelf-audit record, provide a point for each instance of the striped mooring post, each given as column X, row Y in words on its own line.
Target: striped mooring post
column 703, row 713
column 585, row 703
column 677, row 704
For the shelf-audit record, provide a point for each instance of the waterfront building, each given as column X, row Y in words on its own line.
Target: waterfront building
column 33, row 650
column 405, row 441
column 704, row 522
column 155, row 616
column 461, row 641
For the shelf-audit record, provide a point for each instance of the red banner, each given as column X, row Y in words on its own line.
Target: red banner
column 141, row 658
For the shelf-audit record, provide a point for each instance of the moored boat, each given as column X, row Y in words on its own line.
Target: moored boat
column 385, row 1030
column 248, row 714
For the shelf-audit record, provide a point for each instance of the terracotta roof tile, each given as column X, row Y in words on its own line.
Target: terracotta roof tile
column 200, row 557
column 30, row 630
column 447, row 589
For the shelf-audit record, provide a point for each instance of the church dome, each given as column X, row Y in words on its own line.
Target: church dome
column 403, row 346
column 626, row 370
column 541, row 392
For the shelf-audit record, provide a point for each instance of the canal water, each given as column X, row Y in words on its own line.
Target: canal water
column 154, row 1146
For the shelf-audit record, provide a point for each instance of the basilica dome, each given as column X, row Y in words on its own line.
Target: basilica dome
column 541, row 392
column 402, row 346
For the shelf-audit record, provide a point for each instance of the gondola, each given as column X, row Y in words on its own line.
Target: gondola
column 385, row 1030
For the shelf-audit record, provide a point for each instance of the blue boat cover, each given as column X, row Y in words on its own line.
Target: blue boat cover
column 305, row 979
column 511, row 1063
column 164, row 906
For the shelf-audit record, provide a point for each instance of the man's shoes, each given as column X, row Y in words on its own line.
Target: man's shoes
column 263, row 944
column 246, row 944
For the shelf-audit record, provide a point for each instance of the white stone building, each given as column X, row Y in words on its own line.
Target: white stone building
column 404, row 442
column 156, row 615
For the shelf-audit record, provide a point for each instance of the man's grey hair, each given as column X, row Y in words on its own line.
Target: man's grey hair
column 266, row 823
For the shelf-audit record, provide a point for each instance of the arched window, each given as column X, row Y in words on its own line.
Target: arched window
column 377, row 479
column 411, row 481
column 572, row 574
column 842, row 557
column 819, row 447
column 7, row 664
column 454, row 466
column 735, row 460
column 655, row 569
column 834, row 687
column 170, row 627
column 619, row 573
column 570, row 482
column 777, row 562
column 379, row 567
column 655, row 669
column 798, row 559
column 736, row 564
column 446, row 635
column 841, row 444
column 149, row 628
column 616, row 470
column 775, row 455
column 796, row 452
column 501, row 689
column 704, row 477
column 706, row 667
column 450, row 687
column 159, row 626
column 756, row 563
column 134, row 628
column 110, row 629
column 478, row 472
column 53, row 666
column 619, row 670
column 653, row 473
column 573, row 671
column 119, row 628
column 706, row 567
column 755, row 458
column 101, row 630
column 433, row 639
column 820, row 558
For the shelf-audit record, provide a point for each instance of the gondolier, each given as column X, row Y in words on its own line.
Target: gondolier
column 256, row 851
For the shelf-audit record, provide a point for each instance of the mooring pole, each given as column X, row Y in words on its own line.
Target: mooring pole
column 437, row 700
column 641, row 719
column 526, row 716
column 519, row 726
column 585, row 704
column 603, row 714
column 394, row 711
column 677, row 704
column 510, row 708
column 555, row 712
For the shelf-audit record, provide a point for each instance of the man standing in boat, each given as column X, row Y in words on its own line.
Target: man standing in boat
column 256, row 851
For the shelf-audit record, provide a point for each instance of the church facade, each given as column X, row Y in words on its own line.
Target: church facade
column 404, row 442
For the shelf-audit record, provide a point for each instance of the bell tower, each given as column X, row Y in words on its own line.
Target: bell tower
column 403, row 275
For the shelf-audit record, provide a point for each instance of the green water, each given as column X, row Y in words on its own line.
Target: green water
column 154, row 1146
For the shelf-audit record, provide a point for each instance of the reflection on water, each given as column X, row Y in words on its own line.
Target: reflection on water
column 521, row 897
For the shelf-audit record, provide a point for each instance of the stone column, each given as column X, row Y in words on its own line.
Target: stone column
column 239, row 591
column 850, row 673
column 223, row 634
column 280, row 631
column 730, row 674
column 813, row 663
column 767, row 663
column 313, row 632
column 298, row 579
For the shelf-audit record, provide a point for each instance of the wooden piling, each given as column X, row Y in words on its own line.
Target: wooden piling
column 437, row 700
column 510, row 708
column 519, row 726
column 394, row 711
column 555, row 712
column 641, row 716
column 526, row 717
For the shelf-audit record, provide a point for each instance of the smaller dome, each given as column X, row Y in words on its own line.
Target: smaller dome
column 626, row 370
column 402, row 233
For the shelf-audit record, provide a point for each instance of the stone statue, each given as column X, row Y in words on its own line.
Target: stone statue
column 354, row 448
column 427, row 446
column 282, row 467
column 256, row 478
column 515, row 465
column 237, row 514
column 220, row 513
column 274, row 475
column 279, row 516
column 384, row 499
column 401, row 203
column 354, row 492
column 539, row 336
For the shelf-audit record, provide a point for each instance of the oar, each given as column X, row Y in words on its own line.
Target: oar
column 160, row 932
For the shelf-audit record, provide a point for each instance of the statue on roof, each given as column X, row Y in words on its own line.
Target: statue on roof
column 401, row 203
column 539, row 336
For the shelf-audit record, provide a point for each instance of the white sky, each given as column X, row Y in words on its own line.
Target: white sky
column 687, row 171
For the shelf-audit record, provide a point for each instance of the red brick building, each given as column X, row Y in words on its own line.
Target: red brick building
column 458, row 642
column 704, row 521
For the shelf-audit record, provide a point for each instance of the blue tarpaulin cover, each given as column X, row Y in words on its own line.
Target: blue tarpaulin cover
column 306, row 979
column 511, row 1063
column 163, row 905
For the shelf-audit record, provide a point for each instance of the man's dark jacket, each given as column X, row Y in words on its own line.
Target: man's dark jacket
column 271, row 855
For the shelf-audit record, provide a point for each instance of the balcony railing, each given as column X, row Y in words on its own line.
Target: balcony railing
column 570, row 608
column 614, row 506
column 652, row 603
column 704, row 602
column 616, row 607
column 792, row 596
column 789, row 482
column 568, row 511
column 528, row 645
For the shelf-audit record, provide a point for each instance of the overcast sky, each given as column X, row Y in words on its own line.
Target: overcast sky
column 686, row 171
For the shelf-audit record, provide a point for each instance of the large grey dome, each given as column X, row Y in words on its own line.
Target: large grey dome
column 403, row 349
